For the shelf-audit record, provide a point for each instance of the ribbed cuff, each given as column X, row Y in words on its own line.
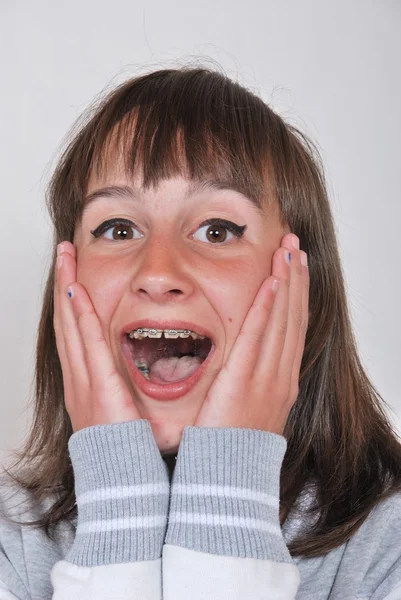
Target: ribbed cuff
column 225, row 493
column 122, row 490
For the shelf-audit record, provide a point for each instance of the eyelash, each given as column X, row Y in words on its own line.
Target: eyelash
column 237, row 230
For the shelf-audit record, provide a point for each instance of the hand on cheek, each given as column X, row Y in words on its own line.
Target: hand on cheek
column 94, row 391
column 259, row 383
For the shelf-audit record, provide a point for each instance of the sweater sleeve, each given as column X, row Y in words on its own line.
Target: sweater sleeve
column 122, row 491
column 223, row 537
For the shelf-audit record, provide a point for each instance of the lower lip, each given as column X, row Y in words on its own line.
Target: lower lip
column 168, row 391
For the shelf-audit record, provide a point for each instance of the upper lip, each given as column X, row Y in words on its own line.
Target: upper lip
column 153, row 324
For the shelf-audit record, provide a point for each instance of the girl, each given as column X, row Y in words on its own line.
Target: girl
column 203, row 424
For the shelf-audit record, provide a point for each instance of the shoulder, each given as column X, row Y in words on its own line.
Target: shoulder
column 377, row 541
column 16, row 503
column 27, row 555
column 385, row 516
column 382, row 524
column 375, row 549
column 18, row 509
column 13, row 573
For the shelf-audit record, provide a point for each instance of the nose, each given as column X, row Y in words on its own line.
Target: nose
column 162, row 274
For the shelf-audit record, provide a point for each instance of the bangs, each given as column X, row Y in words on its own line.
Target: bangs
column 195, row 124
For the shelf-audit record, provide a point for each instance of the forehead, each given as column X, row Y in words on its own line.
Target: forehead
column 117, row 166
column 177, row 191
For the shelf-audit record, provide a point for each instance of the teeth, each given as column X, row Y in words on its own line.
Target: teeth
column 154, row 333
column 143, row 368
column 171, row 334
column 141, row 365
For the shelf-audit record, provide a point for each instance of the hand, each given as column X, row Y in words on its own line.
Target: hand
column 259, row 383
column 94, row 392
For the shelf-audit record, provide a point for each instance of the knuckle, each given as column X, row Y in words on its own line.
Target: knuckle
column 91, row 341
column 84, row 318
column 265, row 308
column 298, row 318
column 283, row 328
column 256, row 337
column 81, row 320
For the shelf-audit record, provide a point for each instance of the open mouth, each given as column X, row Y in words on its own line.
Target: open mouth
column 167, row 360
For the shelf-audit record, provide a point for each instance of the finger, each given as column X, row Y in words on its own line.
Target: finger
column 243, row 356
column 304, row 327
column 98, row 357
column 74, row 347
column 295, row 315
column 57, row 314
column 276, row 329
column 67, row 247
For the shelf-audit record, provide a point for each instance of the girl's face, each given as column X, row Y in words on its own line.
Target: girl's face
column 171, row 267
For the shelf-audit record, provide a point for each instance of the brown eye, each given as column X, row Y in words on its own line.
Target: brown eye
column 122, row 232
column 216, row 233
column 115, row 229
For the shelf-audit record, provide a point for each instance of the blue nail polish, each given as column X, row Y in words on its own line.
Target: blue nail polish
column 69, row 292
column 289, row 256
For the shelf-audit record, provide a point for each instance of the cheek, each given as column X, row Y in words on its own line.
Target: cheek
column 104, row 284
column 232, row 290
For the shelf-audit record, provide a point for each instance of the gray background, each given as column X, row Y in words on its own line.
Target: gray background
column 332, row 68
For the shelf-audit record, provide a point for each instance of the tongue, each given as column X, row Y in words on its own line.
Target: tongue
column 166, row 370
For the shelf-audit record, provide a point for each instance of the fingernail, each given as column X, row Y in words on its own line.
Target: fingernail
column 275, row 285
column 70, row 292
column 304, row 258
column 287, row 256
column 295, row 242
column 59, row 262
column 59, row 248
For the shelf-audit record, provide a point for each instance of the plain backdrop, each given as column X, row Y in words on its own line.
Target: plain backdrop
column 331, row 68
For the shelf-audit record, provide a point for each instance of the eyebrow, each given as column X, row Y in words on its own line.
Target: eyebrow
column 125, row 191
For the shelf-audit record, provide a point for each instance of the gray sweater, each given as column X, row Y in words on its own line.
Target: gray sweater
column 212, row 532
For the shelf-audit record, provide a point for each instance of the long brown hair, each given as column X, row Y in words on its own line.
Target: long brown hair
column 339, row 438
